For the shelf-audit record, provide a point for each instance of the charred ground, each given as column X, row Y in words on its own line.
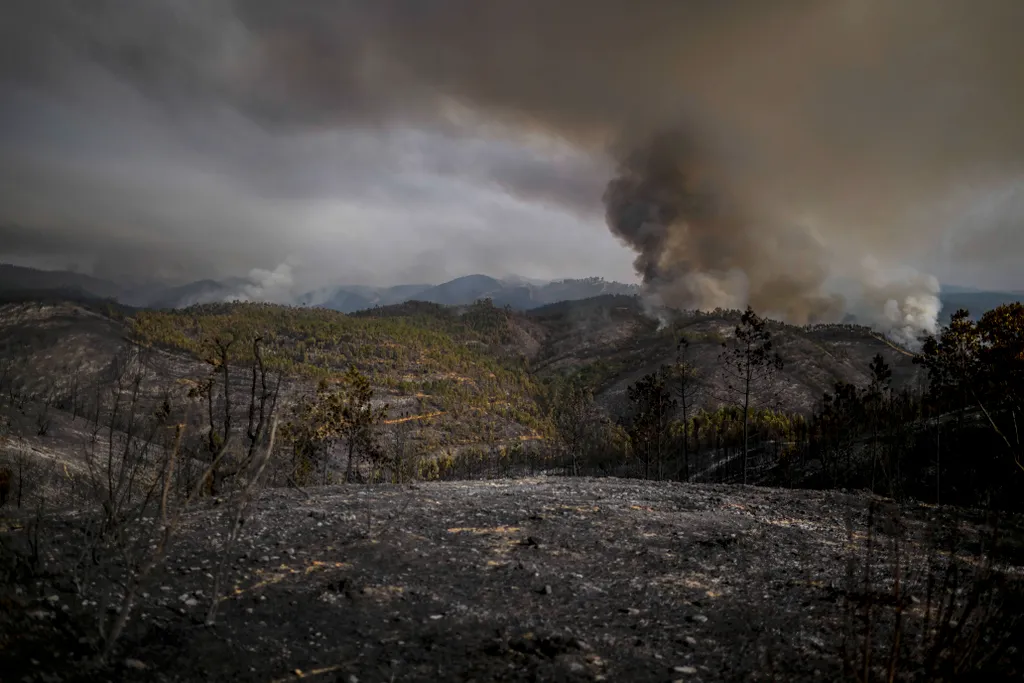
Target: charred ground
column 537, row 579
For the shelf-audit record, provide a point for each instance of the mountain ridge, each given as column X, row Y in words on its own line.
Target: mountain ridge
column 516, row 292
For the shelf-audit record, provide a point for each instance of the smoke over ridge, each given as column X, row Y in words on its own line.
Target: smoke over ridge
column 757, row 151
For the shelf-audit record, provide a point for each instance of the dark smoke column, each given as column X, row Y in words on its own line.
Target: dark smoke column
column 700, row 247
column 661, row 205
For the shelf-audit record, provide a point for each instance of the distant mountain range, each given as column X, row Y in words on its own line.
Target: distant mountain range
column 976, row 301
column 18, row 279
column 518, row 293
column 515, row 292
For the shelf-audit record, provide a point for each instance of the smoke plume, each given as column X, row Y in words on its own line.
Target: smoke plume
column 757, row 151
column 274, row 286
column 899, row 301
column 699, row 247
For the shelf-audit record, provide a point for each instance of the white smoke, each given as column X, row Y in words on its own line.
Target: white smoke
column 274, row 286
column 901, row 303
column 896, row 301
column 268, row 286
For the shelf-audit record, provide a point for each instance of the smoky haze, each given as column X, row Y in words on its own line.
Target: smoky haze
column 813, row 158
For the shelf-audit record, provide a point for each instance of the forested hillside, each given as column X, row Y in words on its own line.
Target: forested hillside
column 452, row 378
column 601, row 384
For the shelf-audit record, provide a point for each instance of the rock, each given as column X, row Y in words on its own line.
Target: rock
column 581, row 645
column 688, row 670
column 698, row 618
column 191, row 602
column 546, row 590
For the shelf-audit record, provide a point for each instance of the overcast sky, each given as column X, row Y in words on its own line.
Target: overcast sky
column 394, row 141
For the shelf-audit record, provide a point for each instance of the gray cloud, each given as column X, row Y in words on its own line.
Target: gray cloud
column 830, row 133
column 196, row 195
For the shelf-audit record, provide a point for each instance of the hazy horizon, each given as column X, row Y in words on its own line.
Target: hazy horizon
column 946, row 287
column 382, row 142
column 42, row 265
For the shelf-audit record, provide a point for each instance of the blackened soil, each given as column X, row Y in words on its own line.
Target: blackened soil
column 544, row 579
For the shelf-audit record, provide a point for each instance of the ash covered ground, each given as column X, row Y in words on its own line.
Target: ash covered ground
column 541, row 579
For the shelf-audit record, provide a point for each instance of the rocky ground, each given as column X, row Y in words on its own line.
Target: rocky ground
column 544, row 579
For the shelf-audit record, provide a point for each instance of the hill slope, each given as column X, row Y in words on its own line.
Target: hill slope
column 446, row 372
column 611, row 342
column 462, row 385
column 425, row 358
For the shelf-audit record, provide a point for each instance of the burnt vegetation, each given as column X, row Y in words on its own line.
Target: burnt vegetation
column 127, row 435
